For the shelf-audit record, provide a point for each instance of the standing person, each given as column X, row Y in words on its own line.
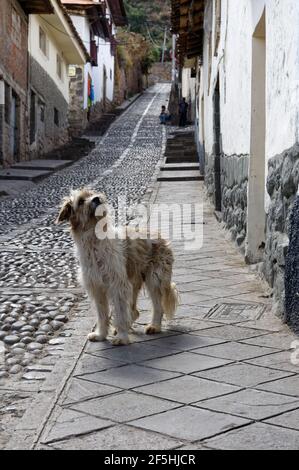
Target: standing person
column 183, row 109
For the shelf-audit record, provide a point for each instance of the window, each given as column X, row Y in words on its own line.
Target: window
column 59, row 66
column 7, row 103
column 43, row 43
column 56, row 117
column 110, row 74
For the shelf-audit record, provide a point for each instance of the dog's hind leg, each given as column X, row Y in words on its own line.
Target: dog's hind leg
column 135, row 311
column 100, row 301
column 154, row 290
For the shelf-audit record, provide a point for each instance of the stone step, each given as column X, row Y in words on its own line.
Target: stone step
column 180, row 149
column 25, row 175
column 180, row 167
column 44, row 165
column 181, row 158
column 180, row 176
column 178, row 153
column 181, row 139
column 178, row 134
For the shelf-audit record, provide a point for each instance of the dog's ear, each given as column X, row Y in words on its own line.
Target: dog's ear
column 64, row 213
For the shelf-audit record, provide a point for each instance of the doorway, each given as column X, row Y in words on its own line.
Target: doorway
column 256, row 215
column 14, row 127
column 217, row 148
column 104, row 87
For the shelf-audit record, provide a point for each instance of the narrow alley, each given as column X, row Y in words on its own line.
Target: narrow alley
column 222, row 368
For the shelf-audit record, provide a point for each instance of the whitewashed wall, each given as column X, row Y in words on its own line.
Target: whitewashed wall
column 282, row 75
column 189, row 90
column 233, row 62
column 48, row 62
column 247, row 208
column 81, row 24
column 104, row 59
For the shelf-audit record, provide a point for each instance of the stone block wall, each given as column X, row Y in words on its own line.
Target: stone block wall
column 77, row 113
column 292, row 271
column 210, row 176
column 128, row 81
column 234, row 182
column 160, row 73
column 13, row 77
column 282, row 185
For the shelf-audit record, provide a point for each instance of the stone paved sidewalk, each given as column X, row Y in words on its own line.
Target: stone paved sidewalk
column 220, row 376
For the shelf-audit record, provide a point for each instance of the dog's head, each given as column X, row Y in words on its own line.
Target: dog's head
column 80, row 208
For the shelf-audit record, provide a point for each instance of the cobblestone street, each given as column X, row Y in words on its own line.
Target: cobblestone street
column 219, row 376
column 39, row 292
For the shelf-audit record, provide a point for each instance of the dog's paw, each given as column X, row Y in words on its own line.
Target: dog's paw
column 94, row 337
column 120, row 341
column 152, row 329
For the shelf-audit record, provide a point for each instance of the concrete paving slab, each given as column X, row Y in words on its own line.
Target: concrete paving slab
column 129, row 376
column 68, row 423
column 90, row 364
column 251, row 404
column 286, row 420
column 190, row 423
column 186, row 342
column 187, row 389
column 26, row 175
column 282, row 341
column 229, row 332
column 243, row 375
column 80, row 390
column 130, row 406
column 14, row 187
column 136, row 352
column 191, row 325
column 256, row 437
column 287, row 386
column 235, row 351
column 279, row 360
column 186, row 363
column 45, row 165
column 119, row 438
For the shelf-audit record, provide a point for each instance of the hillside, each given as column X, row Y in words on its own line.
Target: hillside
column 149, row 18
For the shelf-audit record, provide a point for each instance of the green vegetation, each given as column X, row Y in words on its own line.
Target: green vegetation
column 150, row 18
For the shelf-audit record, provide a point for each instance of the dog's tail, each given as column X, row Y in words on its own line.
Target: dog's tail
column 170, row 299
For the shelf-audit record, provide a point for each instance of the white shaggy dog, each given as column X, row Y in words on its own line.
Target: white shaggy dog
column 114, row 270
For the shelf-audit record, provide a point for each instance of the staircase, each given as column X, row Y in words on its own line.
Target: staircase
column 98, row 127
column 36, row 170
column 181, row 159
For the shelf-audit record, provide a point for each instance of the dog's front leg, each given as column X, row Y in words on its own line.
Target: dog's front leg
column 100, row 301
column 122, row 318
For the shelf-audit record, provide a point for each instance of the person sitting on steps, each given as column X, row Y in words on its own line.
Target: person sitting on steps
column 164, row 116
